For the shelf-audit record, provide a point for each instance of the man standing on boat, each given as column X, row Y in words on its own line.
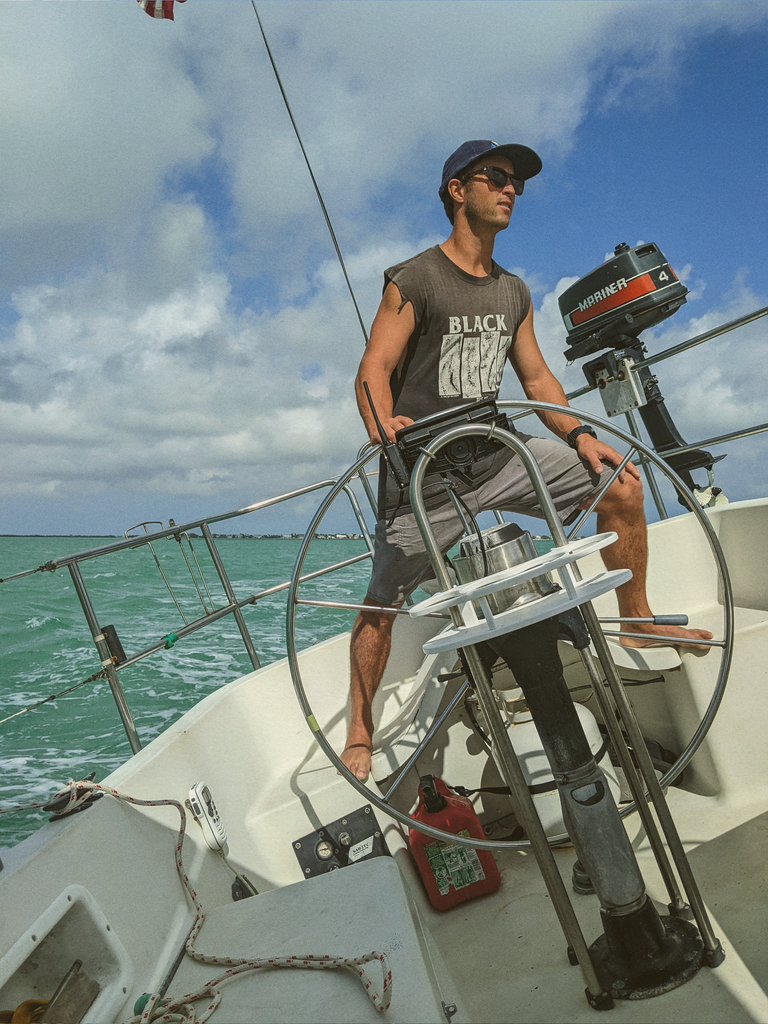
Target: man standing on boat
column 448, row 321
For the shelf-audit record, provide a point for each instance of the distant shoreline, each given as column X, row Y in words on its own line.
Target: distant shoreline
column 218, row 536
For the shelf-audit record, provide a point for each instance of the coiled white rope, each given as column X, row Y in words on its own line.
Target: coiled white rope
column 182, row 1010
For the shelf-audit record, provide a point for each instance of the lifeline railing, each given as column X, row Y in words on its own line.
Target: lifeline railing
column 112, row 664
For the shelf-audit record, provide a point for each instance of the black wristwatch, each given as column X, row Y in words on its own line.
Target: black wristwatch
column 571, row 438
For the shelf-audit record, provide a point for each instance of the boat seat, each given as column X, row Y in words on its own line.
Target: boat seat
column 652, row 660
column 346, row 913
column 644, row 659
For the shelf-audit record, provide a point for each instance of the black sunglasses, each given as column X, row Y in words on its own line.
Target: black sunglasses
column 498, row 178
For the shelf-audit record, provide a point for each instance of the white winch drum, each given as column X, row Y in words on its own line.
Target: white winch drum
column 505, row 545
column 537, row 771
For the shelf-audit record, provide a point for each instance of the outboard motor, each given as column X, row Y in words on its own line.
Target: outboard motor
column 608, row 308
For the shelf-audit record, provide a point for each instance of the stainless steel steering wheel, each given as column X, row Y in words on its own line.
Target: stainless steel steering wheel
column 726, row 644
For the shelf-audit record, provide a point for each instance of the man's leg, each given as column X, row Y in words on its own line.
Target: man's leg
column 572, row 484
column 621, row 511
column 400, row 564
column 368, row 654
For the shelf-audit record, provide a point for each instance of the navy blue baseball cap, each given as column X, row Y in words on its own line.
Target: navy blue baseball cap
column 527, row 164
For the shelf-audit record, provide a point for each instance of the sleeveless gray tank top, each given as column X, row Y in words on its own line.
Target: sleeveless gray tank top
column 464, row 329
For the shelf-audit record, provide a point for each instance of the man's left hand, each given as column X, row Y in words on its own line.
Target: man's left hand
column 595, row 452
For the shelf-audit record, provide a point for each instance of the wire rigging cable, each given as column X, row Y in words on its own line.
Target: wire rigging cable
column 311, row 173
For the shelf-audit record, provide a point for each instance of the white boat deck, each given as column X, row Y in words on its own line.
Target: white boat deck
column 501, row 957
column 508, row 957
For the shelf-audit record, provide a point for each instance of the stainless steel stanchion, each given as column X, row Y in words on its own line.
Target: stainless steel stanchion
column 106, row 657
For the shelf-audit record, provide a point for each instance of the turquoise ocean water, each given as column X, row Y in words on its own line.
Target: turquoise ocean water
column 45, row 647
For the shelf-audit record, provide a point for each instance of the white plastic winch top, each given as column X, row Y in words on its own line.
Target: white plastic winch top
column 466, row 596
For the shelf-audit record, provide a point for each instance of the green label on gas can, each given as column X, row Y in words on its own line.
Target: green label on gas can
column 454, row 865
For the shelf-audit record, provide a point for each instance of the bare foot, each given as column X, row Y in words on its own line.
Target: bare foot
column 658, row 636
column 357, row 757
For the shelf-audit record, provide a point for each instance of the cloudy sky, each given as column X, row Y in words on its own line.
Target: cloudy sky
column 175, row 335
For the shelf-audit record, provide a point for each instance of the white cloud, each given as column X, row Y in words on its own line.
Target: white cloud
column 720, row 385
column 148, row 170
column 101, row 106
column 96, row 108
column 180, row 395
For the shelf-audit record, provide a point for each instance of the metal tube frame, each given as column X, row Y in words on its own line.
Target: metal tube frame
column 675, row 350
column 106, row 657
column 222, row 573
column 648, row 470
column 501, row 745
column 234, row 607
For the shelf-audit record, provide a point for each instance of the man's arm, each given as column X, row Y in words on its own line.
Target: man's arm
column 390, row 331
column 541, row 385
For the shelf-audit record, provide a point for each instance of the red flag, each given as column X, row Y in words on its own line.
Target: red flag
column 159, row 8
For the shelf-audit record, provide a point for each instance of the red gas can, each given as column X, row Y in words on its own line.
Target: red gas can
column 451, row 872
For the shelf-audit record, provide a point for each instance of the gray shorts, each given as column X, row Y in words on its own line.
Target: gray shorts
column 400, row 562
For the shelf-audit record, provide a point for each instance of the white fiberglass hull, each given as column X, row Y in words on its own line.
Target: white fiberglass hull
column 498, row 958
